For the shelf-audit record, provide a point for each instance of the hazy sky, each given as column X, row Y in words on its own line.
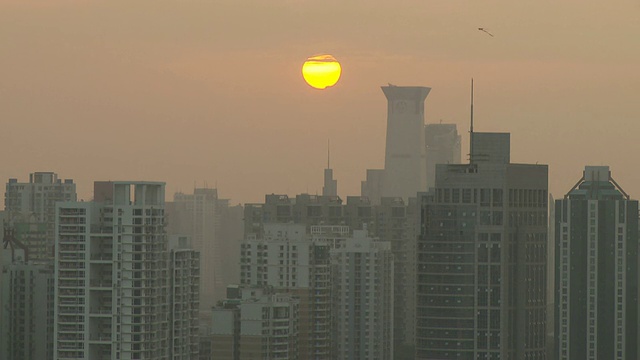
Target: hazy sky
column 211, row 92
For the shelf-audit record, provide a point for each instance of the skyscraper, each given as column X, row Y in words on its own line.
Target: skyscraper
column 362, row 299
column 404, row 173
column 112, row 296
column 26, row 306
column 215, row 229
column 596, row 278
column 287, row 260
column 30, row 210
column 481, row 266
column 184, row 297
column 405, row 163
column 443, row 147
column 391, row 219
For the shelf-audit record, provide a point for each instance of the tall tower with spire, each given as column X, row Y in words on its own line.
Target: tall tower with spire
column 330, row 187
column 405, row 165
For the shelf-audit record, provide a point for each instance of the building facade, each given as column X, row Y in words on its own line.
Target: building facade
column 215, row 229
column 255, row 323
column 596, row 278
column 362, row 299
column 26, row 303
column 184, row 292
column 443, row 147
column 481, row 266
column 30, row 210
column 391, row 219
column 287, row 260
column 112, row 293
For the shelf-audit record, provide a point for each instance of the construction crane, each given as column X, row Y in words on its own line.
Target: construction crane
column 10, row 240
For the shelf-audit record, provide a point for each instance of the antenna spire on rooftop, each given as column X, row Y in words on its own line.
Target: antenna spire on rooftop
column 471, row 128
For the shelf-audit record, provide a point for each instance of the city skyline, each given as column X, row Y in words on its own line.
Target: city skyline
column 169, row 80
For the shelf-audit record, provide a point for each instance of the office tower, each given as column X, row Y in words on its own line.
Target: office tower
column 330, row 187
column 287, row 260
column 362, row 299
column 405, row 163
column 215, row 229
column 26, row 304
column 392, row 220
column 481, row 266
column 596, row 280
column 373, row 187
column 30, row 210
column 443, row 147
column 112, row 275
column 184, row 292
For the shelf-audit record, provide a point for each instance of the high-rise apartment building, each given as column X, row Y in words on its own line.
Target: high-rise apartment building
column 255, row 323
column 26, row 304
column 443, row 147
column 392, row 220
column 362, row 299
column 30, row 210
column 196, row 215
column 215, row 229
column 184, row 293
column 481, row 266
column 287, row 260
column 112, row 275
column 596, row 277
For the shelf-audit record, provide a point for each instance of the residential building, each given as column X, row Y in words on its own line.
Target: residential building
column 30, row 210
column 596, row 278
column 215, row 229
column 112, row 298
column 392, row 219
column 255, row 323
column 184, row 292
column 362, row 299
column 26, row 307
column 287, row 260
column 481, row 265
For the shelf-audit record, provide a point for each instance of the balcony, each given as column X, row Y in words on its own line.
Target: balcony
column 103, row 284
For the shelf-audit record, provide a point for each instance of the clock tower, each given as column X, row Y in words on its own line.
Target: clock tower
column 405, row 166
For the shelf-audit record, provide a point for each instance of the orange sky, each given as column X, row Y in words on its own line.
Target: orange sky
column 211, row 92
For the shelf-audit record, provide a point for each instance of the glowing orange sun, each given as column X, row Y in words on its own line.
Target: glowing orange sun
column 321, row 71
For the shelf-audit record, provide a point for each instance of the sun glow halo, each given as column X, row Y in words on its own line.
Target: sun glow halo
column 321, row 71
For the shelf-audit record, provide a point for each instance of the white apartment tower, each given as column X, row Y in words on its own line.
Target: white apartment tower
column 287, row 260
column 111, row 274
column 362, row 293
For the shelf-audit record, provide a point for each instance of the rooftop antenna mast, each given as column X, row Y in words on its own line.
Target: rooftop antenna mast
column 471, row 128
column 328, row 153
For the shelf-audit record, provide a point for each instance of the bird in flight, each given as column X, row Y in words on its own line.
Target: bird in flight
column 485, row 30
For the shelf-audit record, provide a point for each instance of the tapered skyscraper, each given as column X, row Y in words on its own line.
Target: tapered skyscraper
column 596, row 277
column 405, row 160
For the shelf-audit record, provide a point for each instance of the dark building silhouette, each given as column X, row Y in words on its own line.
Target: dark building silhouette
column 481, row 258
column 596, row 277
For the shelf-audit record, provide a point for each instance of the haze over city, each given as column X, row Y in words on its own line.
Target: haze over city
column 210, row 92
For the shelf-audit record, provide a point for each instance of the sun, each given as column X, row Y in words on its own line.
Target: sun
column 321, row 71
